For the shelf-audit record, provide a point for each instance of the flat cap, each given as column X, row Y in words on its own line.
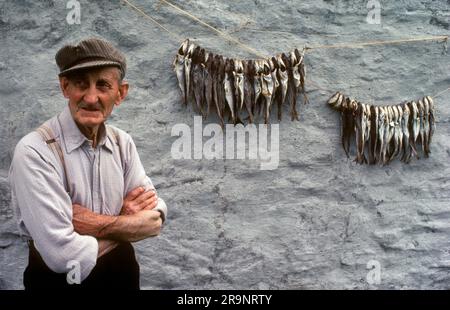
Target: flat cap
column 89, row 53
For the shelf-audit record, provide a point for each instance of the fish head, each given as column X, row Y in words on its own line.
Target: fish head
column 190, row 50
column 405, row 110
column 286, row 60
column 400, row 111
column 333, row 99
column 339, row 101
column 430, row 102
column 353, row 105
column 281, row 64
column 345, row 104
column 426, row 107
column 184, row 47
column 293, row 59
column 274, row 62
column 298, row 55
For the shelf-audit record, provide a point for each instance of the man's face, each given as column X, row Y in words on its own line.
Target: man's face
column 93, row 94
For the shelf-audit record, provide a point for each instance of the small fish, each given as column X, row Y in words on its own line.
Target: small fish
column 426, row 126
column 301, row 69
column 284, row 79
column 292, row 90
column 178, row 67
column 197, row 77
column 295, row 82
column 257, row 86
column 348, row 124
column 266, row 89
column 399, row 130
column 405, row 129
column 367, row 123
column 421, row 127
column 228, row 91
column 395, row 134
column 387, row 135
column 431, row 119
column 188, row 67
column 273, row 72
column 238, row 74
column 360, row 129
column 373, row 133
column 218, row 91
column 295, row 70
column 208, row 78
column 382, row 121
column 414, row 126
column 249, row 73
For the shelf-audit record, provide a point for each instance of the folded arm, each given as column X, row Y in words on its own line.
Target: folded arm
column 136, row 221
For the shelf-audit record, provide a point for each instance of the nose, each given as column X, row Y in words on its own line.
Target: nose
column 91, row 96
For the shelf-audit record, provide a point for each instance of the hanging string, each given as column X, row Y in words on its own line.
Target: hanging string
column 372, row 43
column 440, row 93
column 174, row 35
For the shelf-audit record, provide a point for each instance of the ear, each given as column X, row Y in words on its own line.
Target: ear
column 64, row 85
column 122, row 92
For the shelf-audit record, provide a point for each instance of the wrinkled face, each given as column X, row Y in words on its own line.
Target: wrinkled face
column 93, row 94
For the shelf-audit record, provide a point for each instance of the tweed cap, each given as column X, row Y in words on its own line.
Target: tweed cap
column 89, row 53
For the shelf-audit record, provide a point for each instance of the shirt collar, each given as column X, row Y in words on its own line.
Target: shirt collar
column 73, row 138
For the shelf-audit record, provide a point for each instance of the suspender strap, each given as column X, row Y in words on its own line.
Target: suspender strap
column 115, row 136
column 48, row 136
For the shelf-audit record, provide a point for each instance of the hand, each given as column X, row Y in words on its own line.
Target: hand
column 148, row 222
column 138, row 199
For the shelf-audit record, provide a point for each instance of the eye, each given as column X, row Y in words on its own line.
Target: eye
column 80, row 83
column 104, row 85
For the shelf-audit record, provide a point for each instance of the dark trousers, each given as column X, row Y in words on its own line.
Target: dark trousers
column 117, row 269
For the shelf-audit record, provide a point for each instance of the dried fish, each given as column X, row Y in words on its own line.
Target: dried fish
column 218, row 89
column 405, row 128
column 267, row 89
column 336, row 101
column 257, row 86
column 249, row 91
column 426, row 127
column 382, row 123
column 431, row 119
column 348, row 124
column 188, row 67
column 197, row 77
column 373, row 133
column 422, row 125
column 360, row 130
column 283, row 78
column 178, row 66
column 238, row 74
column 295, row 84
column 208, row 77
column 301, row 69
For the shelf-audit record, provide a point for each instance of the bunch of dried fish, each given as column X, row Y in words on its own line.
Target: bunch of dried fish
column 383, row 133
column 232, row 86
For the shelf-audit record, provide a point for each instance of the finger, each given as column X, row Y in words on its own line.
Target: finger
column 150, row 200
column 150, row 204
column 144, row 196
column 134, row 193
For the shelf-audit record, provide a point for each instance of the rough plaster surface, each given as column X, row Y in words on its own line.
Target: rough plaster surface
column 313, row 223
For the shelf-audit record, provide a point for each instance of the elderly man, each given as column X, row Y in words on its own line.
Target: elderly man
column 79, row 190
